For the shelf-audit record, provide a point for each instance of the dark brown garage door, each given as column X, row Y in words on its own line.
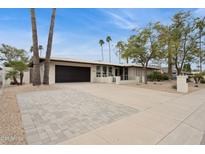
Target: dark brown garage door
column 72, row 74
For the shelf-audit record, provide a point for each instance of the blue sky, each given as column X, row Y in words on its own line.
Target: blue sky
column 77, row 31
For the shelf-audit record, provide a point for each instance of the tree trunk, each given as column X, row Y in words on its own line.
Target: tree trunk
column 145, row 74
column 109, row 53
column 169, row 61
column 21, row 78
column 15, row 80
column 127, row 60
column 200, row 55
column 36, row 66
column 49, row 48
column 119, row 58
column 178, row 71
column 102, row 53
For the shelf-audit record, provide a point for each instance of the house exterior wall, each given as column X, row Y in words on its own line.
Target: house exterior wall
column 52, row 70
column 26, row 78
column 135, row 74
column 131, row 73
column 93, row 77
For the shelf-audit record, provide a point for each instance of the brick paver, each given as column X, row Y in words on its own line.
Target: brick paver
column 51, row 117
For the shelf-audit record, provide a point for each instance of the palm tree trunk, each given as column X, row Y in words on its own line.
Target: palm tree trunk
column 119, row 58
column 109, row 53
column 102, row 53
column 49, row 48
column 36, row 65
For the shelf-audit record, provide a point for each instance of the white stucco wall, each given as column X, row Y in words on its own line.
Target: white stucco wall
column 131, row 73
column 26, row 77
column 7, row 82
column 52, row 70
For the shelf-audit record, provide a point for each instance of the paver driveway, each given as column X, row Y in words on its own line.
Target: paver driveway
column 85, row 113
column 50, row 117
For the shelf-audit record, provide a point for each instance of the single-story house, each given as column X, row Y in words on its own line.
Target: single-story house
column 71, row 70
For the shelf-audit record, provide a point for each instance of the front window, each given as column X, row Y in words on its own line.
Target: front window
column 104, row 71
column 98, row 71
column 110, row 71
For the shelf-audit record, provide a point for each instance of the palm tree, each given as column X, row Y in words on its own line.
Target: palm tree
column 12, row 75
column 108, row 39
column 20, row 67
column 40, row 48
column 49, row 47
column 101, row 42
column 36, row 65
column 120, row 47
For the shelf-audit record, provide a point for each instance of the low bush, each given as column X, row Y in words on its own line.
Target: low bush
column 198, row 77
column 157, row 76
column 174, row 86
column 189, row 78
column 165, row 77
column 202, row 81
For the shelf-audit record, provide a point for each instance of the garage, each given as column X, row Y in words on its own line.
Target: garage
column 71, row 74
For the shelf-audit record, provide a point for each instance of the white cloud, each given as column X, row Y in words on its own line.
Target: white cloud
column 200, row 12
column 121, row 18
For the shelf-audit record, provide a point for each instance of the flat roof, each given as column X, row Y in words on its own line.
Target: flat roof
column 94, row 62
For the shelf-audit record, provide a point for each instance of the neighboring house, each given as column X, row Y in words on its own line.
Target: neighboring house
column 70, row 70
column 174, row 71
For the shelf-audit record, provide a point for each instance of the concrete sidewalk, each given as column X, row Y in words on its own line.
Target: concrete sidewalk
column 175, row 121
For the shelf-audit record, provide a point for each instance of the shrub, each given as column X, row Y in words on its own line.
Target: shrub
column 189, row 79
column 165, row 77
column 174, row 86
column 157, row 76
column 198, row 77
column 202, row 81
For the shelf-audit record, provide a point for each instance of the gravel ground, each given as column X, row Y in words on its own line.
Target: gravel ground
column 166, row 86
column 11, row 131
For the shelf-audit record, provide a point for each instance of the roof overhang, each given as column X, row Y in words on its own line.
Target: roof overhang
column 54, row 59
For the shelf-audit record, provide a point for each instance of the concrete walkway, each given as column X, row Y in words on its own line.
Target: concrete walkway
column 142, row 116
column 175, row 120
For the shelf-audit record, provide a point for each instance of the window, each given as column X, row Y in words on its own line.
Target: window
column 104, row 71
column 110, row 71
column 116, row 72
column 98, row 71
